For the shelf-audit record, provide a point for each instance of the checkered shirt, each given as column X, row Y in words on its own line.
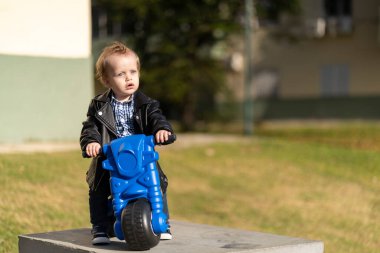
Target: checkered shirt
column 123, row 112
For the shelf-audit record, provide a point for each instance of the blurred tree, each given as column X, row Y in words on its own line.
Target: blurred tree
column 175, row 41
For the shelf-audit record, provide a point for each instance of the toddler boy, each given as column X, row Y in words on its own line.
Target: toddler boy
column 120, row 111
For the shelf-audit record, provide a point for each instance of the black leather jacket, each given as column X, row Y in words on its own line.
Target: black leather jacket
column 100, row 127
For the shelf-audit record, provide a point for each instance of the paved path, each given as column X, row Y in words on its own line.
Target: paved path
column 45, row 147
column 183, row 140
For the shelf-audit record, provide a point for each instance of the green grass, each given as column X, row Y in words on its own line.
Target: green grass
column 296, row 189
column 286, row 182
column 39, row 193
column 358, row 135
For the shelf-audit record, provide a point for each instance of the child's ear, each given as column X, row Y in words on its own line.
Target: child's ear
column 104, row 81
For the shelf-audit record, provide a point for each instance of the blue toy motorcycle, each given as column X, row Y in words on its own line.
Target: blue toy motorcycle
column 136, row 193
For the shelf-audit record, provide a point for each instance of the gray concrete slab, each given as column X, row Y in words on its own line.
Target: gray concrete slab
column 188, row 238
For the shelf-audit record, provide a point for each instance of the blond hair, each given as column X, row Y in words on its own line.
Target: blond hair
column 114, row 48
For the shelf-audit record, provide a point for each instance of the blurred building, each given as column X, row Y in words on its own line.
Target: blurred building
column 46, row 79
column 322, row 63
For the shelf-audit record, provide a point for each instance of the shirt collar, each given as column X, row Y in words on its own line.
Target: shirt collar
column 115, row 101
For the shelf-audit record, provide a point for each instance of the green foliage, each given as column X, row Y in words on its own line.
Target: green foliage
column 181, row 46
column 175, row 41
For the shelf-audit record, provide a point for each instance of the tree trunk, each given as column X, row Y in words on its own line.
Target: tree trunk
column 188, row 113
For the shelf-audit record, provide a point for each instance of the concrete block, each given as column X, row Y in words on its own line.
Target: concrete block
column 188, row 238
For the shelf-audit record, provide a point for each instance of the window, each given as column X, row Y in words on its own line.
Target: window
column 337, row 8
column 334, row 80
column 339, row 16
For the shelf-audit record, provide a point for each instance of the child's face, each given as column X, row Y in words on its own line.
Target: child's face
column 122, row 75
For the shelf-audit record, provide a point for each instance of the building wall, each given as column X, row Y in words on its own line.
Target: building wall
column 301, row 66
column 46, row 79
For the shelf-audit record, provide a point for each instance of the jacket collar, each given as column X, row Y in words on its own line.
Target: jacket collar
column 104, row 97
column 139, row 97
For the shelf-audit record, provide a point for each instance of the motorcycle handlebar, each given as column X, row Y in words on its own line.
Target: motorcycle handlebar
column 172, row 138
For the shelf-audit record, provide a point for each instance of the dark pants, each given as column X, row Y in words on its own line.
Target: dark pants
column 101, row 213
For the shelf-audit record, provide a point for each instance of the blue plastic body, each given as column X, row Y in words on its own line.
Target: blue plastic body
column 131, row 161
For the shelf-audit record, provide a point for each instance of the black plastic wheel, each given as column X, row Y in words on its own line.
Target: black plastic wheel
column 137, row 227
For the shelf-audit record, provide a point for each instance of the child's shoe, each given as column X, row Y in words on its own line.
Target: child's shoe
column 99, row 236
column 166, row 236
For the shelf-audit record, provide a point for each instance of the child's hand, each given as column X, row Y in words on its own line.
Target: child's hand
column 162, row 136
column 93, row 149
